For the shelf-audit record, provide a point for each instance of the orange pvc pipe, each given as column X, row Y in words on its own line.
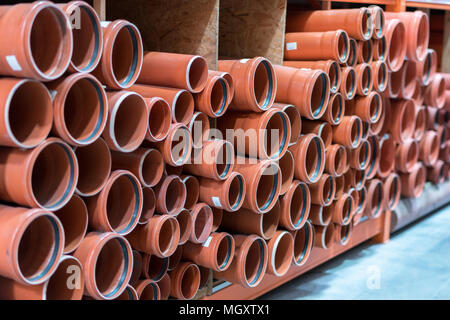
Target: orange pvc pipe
column 213, row 100
column 309, row 156
column 295, row 206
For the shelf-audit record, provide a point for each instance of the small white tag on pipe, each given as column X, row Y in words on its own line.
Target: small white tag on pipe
column 13, row 63
column 104, row 24
column 291, row 46
column 306, row 69
column 244, row 60
column 216, row 202
column 207, row 242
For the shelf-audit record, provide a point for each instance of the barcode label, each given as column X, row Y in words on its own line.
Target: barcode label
column 13, row 63
column 291, row 46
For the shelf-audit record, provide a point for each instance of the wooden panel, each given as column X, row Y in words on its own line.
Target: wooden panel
column 180, row 26
column 249, row 28
column 362, row 232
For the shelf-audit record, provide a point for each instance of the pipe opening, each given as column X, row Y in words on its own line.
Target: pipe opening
column 366, row 24
column 266, row 191
column 387, row 151
column 295, row 122
column 219, row 97
column 340, row 160
column 409, row 77
column 53, row 176
column 254, row 262
column 157, row 267
column 412, row 155
column 298, row 205
column 362, row 199
column 94, row 165
column 150, row 292
column 224, row 252
column 275, row 135
column 363, row 154
column 165, row 238
column 374, row 108
column 352, row 53
column 149, row 204
column 185, row 221
column 111, row 267
column 382, row 77
column 49, row 42
column 326, row 215
column 407, row 120
column 57, row 288
column 337, row 109
column 269, row 222
column 263, row 85
column 84, row 111
column 199, row 128
column 190, row 281
column 396, row 48
column 342, row 46
column 159, row 119
column 122, row 206
column 422, row 36
column 360, row 177
column 347, row 210
column 381, row 48
column 350, row 83
column 38, row 248
column 302, row 243
column 328, row 190
column 373, row 155
column 379, row 28
column 29, row 125
column 393, row 191
column 182, row 107
column 356, row 132
column 345, row 233
column 333, row 74
column 366, row 79
column 325, row 133
column 152, row 167
column 125, row 55
column 74, row 218
column 328, row 235
column 427, row 68
column 318, row 95
column 175, row 195
column 419, row 127
column 130, row 123
column 224, row 159
column 197, row 74
column 192, row 193
column 86, row 41
column 235, row 192
column 367, row 51
column 201, row 229
column 283, row 253
column 378, row 198
column 180, row 145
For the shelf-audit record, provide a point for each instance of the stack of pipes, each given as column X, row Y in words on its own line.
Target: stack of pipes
column 127, row 174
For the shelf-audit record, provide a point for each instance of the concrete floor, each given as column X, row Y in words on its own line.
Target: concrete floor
column 415, row 264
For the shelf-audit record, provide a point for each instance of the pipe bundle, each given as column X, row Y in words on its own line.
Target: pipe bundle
column 117, row 180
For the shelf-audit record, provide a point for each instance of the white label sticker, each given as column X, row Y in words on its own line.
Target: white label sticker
column 244, row 60
column 305, row 69
column 217, row 202
column 105, row 23
column 207, row 242
column 291, row 46
column 13, row 63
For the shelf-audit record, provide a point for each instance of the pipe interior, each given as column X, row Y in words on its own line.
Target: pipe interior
column 84, row 110
column 318, row 95
column 393, row 191
column 152, row 167
column 224, row 159
column 374, row 108
column 175, row 195
column 355, row 132
column 165, row 239
column 201, row 229
column 262, row 84
column 149, row 204
column 183, row 106
column 422, row 36
column 94, row 166
column 327, row 191
column 286, row 164
column 340, row 160
column 57, row 286
column 235, row 191
column 366, row 79
column 29, row 125
column 252, row 262
column 159, row 119
column 312, row 159
column 350, row 83
column 295, row 121
column 347, row 209
column 122, row 203
column 74, row 218
column 270, row 221
column 86, row 40
column 48, row 39
column 130, row 122
column 329, row 235
column 275, row 135
column 122, row 56
column 223, row 252
column 149, row 292
column 326, row 133
column 387, row 151
column 298, row 205
column 365, row 23
column 382, row 78
column 396, row 46
column 352, row 53
column 407, row 120
column 301, row 240
column 218, row 97
column 180, row 145
column 363, row 154
column 157, row 267
column 198, row 73
column 283, row 253
column 333, row 74
column 37, row 248
column 336, row 109
column 192, row 192
column 185, row 222
column 396, row 82
column 110, row 267
column 52, row 175
column 342, row 47
column 409, row 76
column 264, row 191
column 190, row 282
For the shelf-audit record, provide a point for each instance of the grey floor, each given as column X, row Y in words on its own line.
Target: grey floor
column 415, row 264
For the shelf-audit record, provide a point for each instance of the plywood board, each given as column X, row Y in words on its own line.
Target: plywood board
column 180, row 26
column 249, row 28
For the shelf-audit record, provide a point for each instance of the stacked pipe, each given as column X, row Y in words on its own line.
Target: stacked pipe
column 117, row 183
